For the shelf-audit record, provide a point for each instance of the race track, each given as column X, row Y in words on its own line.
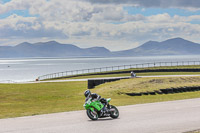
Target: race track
column 164, row 117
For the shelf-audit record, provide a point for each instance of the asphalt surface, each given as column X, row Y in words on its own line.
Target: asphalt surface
column 164, row 117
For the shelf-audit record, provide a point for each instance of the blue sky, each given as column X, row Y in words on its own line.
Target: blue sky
column 155, row 11
column 5, row 1
column 24, row 13
column 115, row 25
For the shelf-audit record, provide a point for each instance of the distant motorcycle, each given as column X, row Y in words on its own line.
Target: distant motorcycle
column 94, row 109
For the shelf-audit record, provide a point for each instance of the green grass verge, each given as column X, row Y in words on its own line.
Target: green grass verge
column 163, row 67
column 32, row 99
column 117, row 90
column 146, row 84
column 167, row 73
column 42, row 98
column 195, row 131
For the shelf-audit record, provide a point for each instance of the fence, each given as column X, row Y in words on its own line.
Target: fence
column 114, row 68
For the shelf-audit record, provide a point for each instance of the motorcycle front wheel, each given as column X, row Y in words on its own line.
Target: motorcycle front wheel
column 92, row 115
column 114, row 113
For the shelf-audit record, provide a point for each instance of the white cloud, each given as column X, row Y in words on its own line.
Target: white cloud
column 70, row 10
column 157, row 27
column 95, row 24
column 15, row 5
column 26, row 27
column 160, row 18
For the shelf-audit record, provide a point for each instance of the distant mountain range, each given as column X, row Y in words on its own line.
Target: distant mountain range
column 50, row 49
column 175, row 46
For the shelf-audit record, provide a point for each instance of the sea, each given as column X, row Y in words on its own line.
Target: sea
column 29, row 69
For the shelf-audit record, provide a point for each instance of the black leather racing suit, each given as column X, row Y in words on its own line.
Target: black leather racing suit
column 98, row 97
column 95, row 96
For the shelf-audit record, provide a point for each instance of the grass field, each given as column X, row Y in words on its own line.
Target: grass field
column 117, row 89
column 32, row 99
column 196, row 131
column 146, row 84
column 42, row 98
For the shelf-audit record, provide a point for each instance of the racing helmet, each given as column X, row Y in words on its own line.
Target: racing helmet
column 87, row 93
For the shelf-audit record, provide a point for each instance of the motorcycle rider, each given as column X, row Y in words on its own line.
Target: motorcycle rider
column 95, row 97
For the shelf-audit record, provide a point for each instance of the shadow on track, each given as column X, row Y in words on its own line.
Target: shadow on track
column 104, row 119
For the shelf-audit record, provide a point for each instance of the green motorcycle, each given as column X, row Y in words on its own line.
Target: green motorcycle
column 94, row 109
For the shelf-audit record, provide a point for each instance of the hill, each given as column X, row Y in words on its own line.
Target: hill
column 50, row 49
column 175, row 46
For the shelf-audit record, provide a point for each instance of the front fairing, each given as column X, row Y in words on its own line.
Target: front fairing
column 93, row 104
column 87, row 103
column 97, row 105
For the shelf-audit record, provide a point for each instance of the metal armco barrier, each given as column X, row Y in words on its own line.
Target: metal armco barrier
column 114, row 68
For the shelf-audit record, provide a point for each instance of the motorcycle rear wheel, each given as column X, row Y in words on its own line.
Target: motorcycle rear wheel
column 92, row 115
